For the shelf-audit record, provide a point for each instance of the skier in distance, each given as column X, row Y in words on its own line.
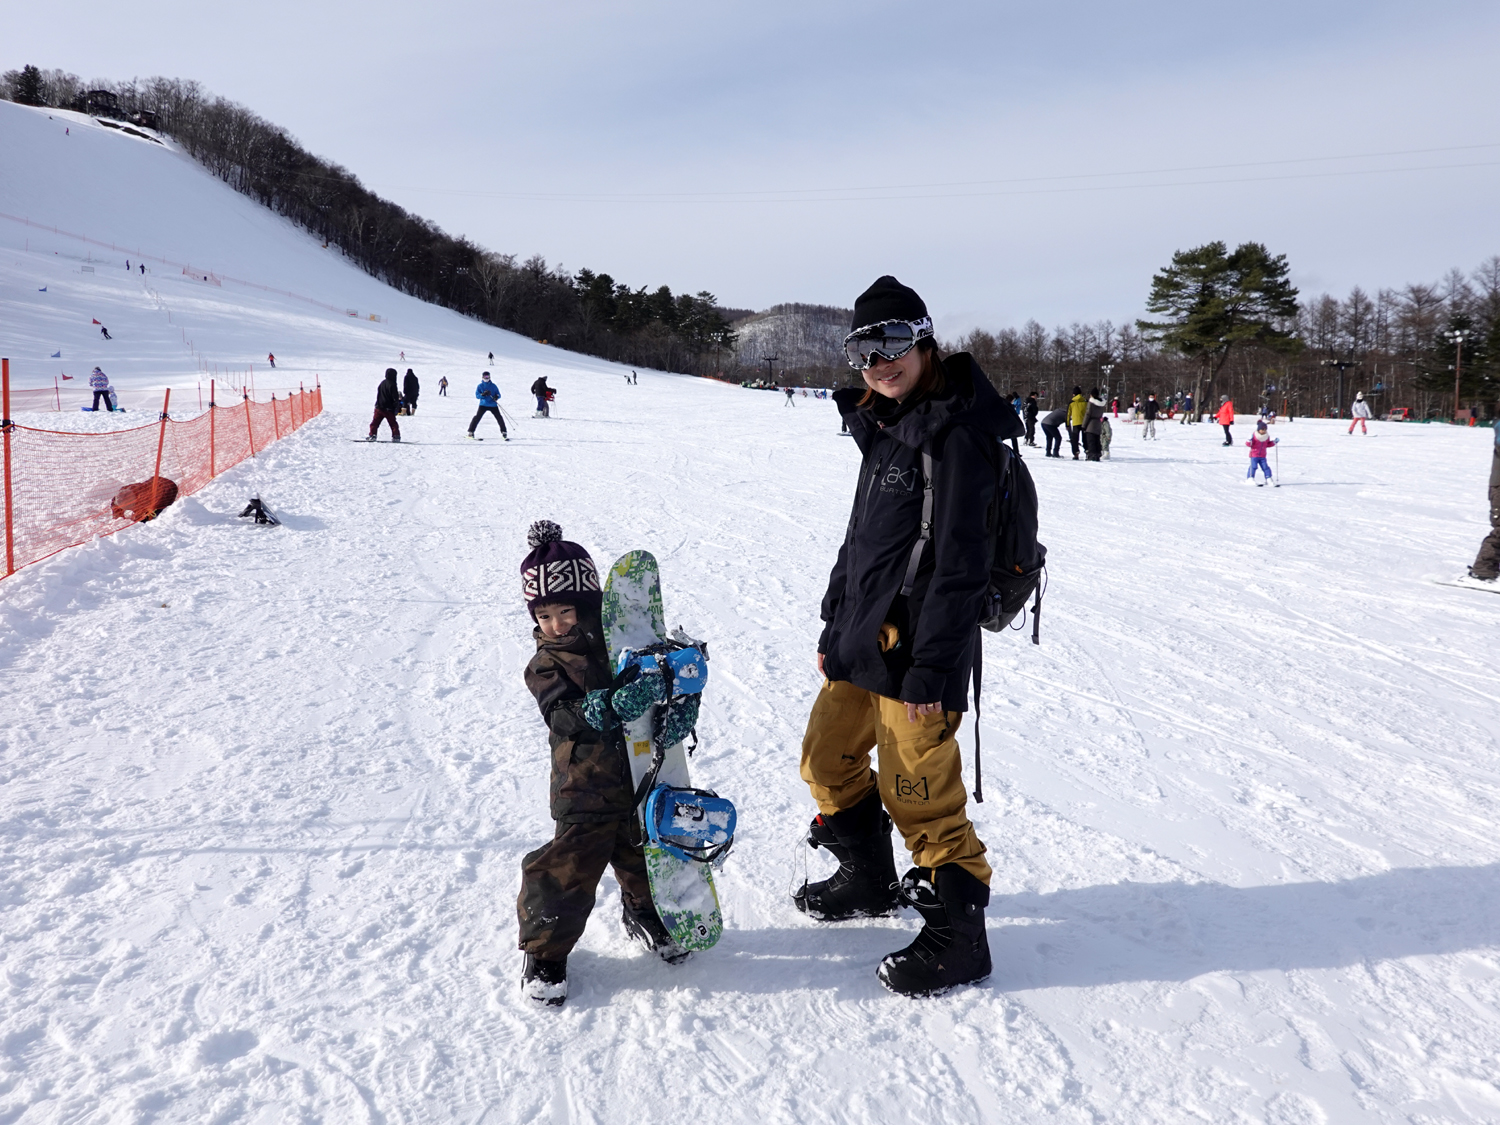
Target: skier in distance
column 99, row 384
column 410, row 389
column 1149, row 411
column 1359, row 413
column 443, row 387
column 489, row 403
column 592, row 798
column 896, row 659
column 1260, row 444
column 1078, row 411
column 387, row 401
column 1225, row 418
column 1052, row 423
column 543, row 395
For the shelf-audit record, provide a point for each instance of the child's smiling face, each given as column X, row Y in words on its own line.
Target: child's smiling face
column 556, row 620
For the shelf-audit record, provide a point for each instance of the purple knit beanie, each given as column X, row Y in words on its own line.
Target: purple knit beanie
column 557, row 571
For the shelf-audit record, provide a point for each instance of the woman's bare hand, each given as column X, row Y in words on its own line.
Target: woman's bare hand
column 915, row 709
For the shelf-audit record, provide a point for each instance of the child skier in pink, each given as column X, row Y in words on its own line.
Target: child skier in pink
column 1260, row 444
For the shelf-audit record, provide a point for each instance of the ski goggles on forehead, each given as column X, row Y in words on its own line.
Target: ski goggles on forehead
column 888, row 340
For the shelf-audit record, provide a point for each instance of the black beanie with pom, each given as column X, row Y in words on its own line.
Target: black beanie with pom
column 557, row 571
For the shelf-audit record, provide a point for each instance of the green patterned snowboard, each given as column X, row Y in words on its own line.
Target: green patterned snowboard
column 682, row 890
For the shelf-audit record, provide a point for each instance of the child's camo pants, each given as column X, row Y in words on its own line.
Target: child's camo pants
column 558, row 881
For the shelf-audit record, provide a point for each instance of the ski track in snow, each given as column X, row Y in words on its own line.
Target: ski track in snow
column 264, row 792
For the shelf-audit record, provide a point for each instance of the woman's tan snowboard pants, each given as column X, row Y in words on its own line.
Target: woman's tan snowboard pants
column 920, row 779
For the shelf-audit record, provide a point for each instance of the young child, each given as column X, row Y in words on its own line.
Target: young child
column 1260, row 442
column 593, row 799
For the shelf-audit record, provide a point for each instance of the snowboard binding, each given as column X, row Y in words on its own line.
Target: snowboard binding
column 692, row 824
column 696, row 825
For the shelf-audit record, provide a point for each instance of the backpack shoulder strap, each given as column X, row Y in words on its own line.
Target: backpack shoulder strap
column 926, row 530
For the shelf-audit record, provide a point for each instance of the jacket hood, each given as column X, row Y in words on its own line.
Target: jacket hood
column 968, row 399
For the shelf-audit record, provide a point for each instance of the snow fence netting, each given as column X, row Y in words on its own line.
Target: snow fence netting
column 63, row 489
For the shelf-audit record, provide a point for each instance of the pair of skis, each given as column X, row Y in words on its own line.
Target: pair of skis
column 685, row 832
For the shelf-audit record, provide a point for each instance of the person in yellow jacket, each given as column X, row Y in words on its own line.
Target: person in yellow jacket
column 1078, row 410
column 1225, row 417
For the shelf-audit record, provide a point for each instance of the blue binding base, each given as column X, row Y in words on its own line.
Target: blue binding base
column 692, row 824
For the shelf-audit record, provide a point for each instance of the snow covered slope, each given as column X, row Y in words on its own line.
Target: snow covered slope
column 264, row 793
column 90, row 198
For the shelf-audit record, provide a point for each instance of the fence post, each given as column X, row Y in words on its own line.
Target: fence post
column 7, row 426
column 249, row 429
column 57, row 393
column 161, row 440
column 275, row 418
column 212, row 469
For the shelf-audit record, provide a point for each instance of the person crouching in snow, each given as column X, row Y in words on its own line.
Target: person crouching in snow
column 1359, row 412
column 593, row 798
column 1260, row 444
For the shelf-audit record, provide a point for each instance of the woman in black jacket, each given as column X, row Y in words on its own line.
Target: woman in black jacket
column 901, row 620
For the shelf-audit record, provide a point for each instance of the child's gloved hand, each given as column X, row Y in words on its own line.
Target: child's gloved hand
column 631, row 701
column 606, row 708
column 597, row 712
column 681, row 718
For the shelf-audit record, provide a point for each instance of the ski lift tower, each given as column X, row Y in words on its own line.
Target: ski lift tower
column 1342, row 365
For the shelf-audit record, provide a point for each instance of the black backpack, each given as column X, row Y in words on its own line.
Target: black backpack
column 1018, row 560
column 1016, row 566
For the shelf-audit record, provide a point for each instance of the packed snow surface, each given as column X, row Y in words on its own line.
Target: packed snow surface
column 264, row 792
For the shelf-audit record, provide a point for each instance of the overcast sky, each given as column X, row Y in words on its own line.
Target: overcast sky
column 1008, row 160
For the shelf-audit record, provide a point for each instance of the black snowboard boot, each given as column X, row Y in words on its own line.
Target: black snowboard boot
column 545, row 982
column 645, row 926
column 952, row 948
column 865, row 883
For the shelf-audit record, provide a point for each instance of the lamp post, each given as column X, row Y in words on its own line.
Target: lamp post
column 1457, row 336
column 1342, row 365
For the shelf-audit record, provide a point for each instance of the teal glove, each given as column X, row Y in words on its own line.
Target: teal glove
column 606, row 708
column 682, row 717
column 635, row 698
column 596, row 711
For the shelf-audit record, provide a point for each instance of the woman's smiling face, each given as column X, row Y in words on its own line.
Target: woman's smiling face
column 895, row 378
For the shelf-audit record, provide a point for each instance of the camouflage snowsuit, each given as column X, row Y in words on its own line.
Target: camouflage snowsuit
column 592, row 801
column 1487, row 564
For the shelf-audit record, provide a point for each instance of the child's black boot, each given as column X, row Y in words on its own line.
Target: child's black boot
column 644, row 925
column 545, row 982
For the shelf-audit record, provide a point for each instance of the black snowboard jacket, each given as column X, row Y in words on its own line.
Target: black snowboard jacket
column 411, row 387
column 386, row 395
column 936, row 626
column 590, row 774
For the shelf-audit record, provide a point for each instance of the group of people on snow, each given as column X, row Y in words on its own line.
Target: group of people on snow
column 899, row 641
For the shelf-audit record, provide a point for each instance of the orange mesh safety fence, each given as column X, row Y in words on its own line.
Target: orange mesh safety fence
column 63, row 489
